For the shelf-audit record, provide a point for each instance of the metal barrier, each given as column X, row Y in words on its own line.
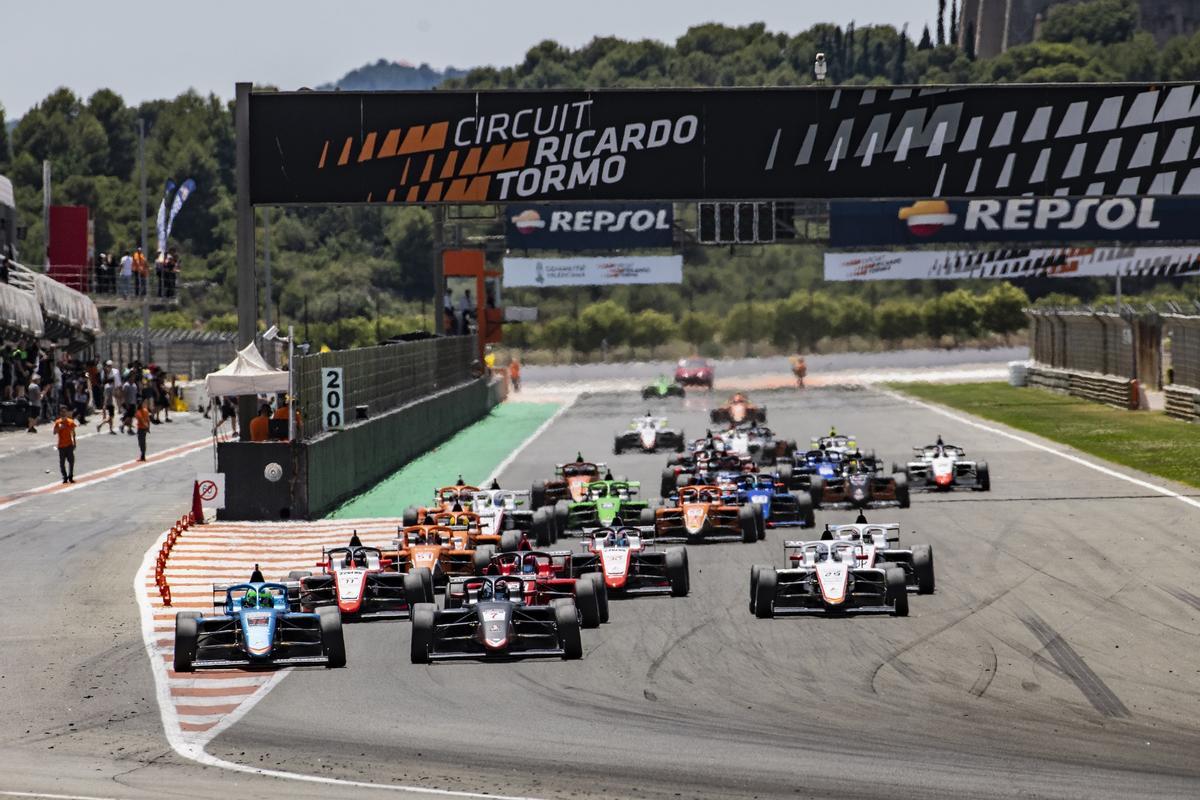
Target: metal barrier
column 1088, row 341
column 1106, row 389
column 386, row 377
column 179, row 352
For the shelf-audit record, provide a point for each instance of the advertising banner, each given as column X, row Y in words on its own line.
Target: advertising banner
column 1056, row 262
column 855, row 223
column 596, row 226
column 723, row 144
column 609, row 271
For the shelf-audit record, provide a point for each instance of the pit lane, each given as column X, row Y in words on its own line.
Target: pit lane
column 1056, row 658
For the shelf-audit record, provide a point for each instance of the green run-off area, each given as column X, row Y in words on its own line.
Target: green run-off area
column 1149, row 441
column 473, row 452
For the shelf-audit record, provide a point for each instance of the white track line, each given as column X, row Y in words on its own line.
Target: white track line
column 1112, row 473
column 503, row 465
column 45, row 796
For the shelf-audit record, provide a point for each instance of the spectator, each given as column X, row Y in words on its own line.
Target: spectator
column 141, row 272
column 514, row 374
column 142, row 416
column 102, row 274
column 126, row 275
column 33, row 395
column 108, row 407
column 129, row 392
column 465, row 309
column 282, row 412
column 113, row 267
column 260, row 426
column 171, row 272
column 228, row 412
column 64, row 429
column 162, row 401
column 82, row 395
column 160, row 265
column 448, row 325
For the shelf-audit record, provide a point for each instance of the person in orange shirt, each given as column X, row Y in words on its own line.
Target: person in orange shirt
column 142, row 415
column 514, row 374
column 64, row 429
column 260, row 426
column 282, row 412
column 140, row 273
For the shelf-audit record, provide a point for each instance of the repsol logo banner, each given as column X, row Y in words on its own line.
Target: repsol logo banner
column 1017, row 219
column 609, row 226
column 1061, row 141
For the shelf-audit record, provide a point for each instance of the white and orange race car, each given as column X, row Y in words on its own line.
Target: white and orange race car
column 702, row 513
column 629, row 564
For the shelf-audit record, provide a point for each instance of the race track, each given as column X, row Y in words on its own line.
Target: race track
column 1057, row 658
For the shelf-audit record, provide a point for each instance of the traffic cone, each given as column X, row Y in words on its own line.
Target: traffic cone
column 197, row 509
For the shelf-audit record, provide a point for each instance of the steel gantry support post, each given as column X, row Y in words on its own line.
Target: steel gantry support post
column 247, row 285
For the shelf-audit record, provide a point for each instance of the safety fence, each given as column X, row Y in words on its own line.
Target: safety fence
column 1100, row 342
column 378, row 379
column 178, row 352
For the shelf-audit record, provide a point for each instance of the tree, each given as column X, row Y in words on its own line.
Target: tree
column 747, row 322
column 802, row 319
column 554, row 334
column 698, row 327
column 897, row 320
column 941, row 23
column 853, row 318
column 954, row 23
column 1002, row 309
column 926, row 42
column 954, row 314
column 652, row 328
column 1093, row 21
column 901, row 57
column 5, row 153
column 969, row 48
column 602, row 325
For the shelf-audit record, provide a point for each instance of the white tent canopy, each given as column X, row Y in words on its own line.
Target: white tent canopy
column 247, row 374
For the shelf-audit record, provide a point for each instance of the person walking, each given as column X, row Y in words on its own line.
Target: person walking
column 108, row 407
column 64, row 429
column 130, row 392
column 125, row 276
column 82, row 396
column 142, row 415
column 33, row 396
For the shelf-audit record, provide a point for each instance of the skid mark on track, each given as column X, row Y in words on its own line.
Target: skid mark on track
column 1183, row 596
column 1076, row 669
column 654, row 665
column 987, row 674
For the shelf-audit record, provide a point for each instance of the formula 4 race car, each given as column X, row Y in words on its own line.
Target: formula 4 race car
column 363, row 584
column 254, row 626
column 457, row 497
column 827, row 577
column 662, row 388
column 835, row 443
column 694, row 371
column 863, row 485
column 630, row 566
column 759, row 442
column 780, row 508
column 493, row 622
column 648, row 434
column 442, row 551
column 549, row 576
column 602, row 504
column 704, row 514
column 569, row 482
column 736, row 410
column 942, row 467
column 503, row 510
column 881, row 545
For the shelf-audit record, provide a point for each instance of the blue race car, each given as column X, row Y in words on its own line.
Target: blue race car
column 255, row 627
column 810, row 471
column 780, row 508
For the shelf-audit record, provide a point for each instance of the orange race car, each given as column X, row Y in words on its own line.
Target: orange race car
column 569, row 482
column 466, row 523
column 701, row 515
column 445, row 552
column 448, row 498
column 738, row 409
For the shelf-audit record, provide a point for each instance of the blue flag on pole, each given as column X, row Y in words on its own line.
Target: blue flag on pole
column 180, row 198
column 160, row 225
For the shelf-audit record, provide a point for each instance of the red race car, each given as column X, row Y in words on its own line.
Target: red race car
column 694, row 371
column 544, row 577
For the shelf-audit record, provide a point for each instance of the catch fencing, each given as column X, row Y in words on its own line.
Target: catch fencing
column 178, row 352
column 385, row 377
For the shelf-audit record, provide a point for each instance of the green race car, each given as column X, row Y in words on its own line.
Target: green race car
column 603, row 503
column 662, row 387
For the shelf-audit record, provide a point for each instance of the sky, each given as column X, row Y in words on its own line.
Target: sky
column 149, row 50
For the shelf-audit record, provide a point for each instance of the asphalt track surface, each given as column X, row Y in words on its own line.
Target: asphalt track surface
column 1057, row 659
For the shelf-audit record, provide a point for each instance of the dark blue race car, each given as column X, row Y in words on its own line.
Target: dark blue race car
column 780, row 508
column 810, row 471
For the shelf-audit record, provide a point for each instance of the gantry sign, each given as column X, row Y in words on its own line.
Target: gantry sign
column 722, row 144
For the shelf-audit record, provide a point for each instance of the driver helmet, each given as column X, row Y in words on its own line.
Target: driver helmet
column 256, row 598
column 528, row 567
column 500, row 590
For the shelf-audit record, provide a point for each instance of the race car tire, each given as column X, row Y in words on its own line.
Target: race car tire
column 748, row 522
column 298, row 574
column 897, row 590
column 804, row 506
column 982, row 477
column 646, row 518
column 562, row 514
column 784, row 471
column 422, row 632
column 510, row 542
column 754, row 570
column 414, row 590
column 428, row 581
column 483, row 557
column 331, row 636
column 567, row 619
column 601, row 594
column 816, row 490
column 901, row 489
column 764, row 593
column 537, row 495
column 761, row 516
column 588, row 603
column 677, row 571
column 543, row 528
column 412, row 516
column 677, row 390
column 922, row 563
column 684, row 479
column 667, row 484
column 187, row 634
column 716, row 416
column 682, row 443
column 617, row 446
column 896, row 468
column 647, row 393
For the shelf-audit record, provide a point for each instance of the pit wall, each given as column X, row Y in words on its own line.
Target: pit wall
column 317, row 475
